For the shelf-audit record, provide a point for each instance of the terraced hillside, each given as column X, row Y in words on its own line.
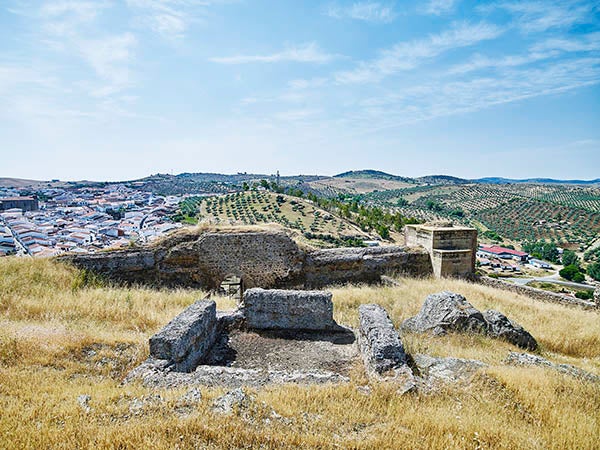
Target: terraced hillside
column 559, row 213
column 256, row 207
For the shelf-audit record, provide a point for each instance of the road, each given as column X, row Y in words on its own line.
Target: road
column 555, row 279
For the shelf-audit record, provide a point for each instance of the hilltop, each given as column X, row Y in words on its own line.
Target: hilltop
column 68, row 340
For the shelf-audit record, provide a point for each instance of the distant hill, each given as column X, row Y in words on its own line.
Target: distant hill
column 441, row 179
column 373, row 175
column 500, row 180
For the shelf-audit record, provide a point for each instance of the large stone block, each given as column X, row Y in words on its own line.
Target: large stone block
column 186, row 340
column 278, row 309
column 379, row 341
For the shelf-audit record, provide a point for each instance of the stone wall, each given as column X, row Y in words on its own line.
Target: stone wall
column 537, row 294
column 186, row 340
column 264, row 259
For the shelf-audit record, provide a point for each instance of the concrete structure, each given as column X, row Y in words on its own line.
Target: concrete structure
column 452, row 249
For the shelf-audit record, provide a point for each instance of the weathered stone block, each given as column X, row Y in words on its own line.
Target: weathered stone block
column 280, row 309
column 502, row 327
column 380, row 343
column 186, row 339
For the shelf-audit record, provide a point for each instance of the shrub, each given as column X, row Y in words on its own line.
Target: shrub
column 569, row 272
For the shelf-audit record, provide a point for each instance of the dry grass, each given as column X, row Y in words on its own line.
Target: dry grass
column 60, row 338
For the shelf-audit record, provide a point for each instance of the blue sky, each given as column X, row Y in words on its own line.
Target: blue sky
column 120, row 89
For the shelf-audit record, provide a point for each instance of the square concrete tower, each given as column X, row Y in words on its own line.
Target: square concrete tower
column 452, row 248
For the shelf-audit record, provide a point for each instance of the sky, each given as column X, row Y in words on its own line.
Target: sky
column 121, row 89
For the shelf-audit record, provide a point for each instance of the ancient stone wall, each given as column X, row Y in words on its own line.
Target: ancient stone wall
column 264, row 259
column 537, row 294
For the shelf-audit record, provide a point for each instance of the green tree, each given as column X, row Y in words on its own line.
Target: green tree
column 569, row 272
column 593, row 271
column 570, row 258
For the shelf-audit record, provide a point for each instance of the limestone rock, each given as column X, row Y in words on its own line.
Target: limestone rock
column 84, row 402
column 446, row 311
column 187, row 338
column 527, row 359
column 502, row 327
column 379, row 341
column 232, row 400
column 446, row 370
column 292, row 310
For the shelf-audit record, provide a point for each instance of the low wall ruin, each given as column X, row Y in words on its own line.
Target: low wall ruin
column 267, row 259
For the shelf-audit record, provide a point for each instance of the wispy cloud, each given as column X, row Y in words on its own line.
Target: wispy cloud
column 409, row 55
column 549, row 48
column 439, row 99
column 439, row 7
column 110, row 57
column 367, row 11
column 305, row 53
column 168, row 18
column 538, row 16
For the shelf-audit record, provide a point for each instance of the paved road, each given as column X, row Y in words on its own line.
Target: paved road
column 553, row 279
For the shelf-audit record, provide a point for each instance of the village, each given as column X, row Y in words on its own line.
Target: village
column 81, row 220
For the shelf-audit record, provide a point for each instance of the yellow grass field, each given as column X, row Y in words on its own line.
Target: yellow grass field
column 63, row 334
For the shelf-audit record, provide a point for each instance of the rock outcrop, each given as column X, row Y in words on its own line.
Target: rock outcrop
column 443, row 312
column 526, row 359
column 502, row 327
column 448, row 311
column 433, row 370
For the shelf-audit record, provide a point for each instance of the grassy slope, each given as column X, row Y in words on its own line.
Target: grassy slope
column 60, row 339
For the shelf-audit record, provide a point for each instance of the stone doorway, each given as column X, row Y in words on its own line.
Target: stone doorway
column 232, row 286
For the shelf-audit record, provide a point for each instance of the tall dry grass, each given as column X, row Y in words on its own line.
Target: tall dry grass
column 62, row 335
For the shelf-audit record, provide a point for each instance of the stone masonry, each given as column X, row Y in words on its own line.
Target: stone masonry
column 291, row 310
column 267, row 259
column 452, row 249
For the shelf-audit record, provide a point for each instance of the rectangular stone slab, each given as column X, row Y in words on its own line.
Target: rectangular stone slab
column 187, row 338
column 278, row 309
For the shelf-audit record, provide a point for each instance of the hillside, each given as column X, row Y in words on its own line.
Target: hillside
column 559, row 213
column 65, row 335
column 312, row 224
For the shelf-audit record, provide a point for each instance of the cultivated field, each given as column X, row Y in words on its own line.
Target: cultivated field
column 64, row 335
column 562, row 214
column 254, row 207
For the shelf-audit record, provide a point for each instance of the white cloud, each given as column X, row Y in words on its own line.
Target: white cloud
column 110, row 58
column 306, row 53
column 63, row 18
column 169, row 18
column 540, row 51
column 439, row 7
column 409, row 55
column 439, row 99
column 539, row 16
column 367, row 11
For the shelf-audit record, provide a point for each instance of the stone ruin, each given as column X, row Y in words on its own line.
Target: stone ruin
column 275, row 336
column 271, row 259
column 282, row 336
